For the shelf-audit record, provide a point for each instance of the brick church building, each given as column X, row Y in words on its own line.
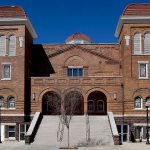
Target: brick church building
column 111, row 77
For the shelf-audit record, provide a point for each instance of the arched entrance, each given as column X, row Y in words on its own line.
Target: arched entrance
column 97, row 103
column 73, row 103
column 51, row 103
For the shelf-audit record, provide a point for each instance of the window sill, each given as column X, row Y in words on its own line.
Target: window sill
column 141, row 54
column 11, row 108
column 6, row 109
column 138, row 108
column 140, row 78
column 5, row 79
column 11, row 138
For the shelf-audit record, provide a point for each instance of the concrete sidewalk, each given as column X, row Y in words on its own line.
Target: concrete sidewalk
column 11, row 145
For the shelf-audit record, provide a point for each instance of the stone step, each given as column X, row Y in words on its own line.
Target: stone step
column 100, row 131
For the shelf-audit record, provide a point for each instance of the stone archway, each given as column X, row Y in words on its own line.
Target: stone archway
column 51, row 103
column 97, row 103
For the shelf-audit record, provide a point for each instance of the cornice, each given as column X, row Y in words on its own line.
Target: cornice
column 19, row 21
column 130, row 20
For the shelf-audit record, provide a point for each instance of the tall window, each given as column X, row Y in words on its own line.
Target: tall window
column 91, row 106
column 138, row 102
column 11, row 102
column 143, row 70
column 147, row 43
column 12, row 45
column 75, row 71
column 6, row 71
column 1, row 101
column 137, row 43
column 148, row 100
column 2, row 45
column 100, row 105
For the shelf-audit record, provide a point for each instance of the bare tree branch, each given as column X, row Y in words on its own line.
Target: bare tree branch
column 71, row 103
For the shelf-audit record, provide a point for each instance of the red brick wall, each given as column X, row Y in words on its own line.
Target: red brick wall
column 16, row 86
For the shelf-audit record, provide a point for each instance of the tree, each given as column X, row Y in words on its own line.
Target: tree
column 70, row 105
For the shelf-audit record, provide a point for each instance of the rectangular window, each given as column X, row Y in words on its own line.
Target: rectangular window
column 75, row 72
column 6, row 71
column 11, row 131
column 143, row 70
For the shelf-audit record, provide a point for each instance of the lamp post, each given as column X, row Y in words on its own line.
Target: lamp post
column 0, row 123
column 147, row 126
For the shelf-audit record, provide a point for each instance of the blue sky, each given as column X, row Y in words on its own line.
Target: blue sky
column 55, row 20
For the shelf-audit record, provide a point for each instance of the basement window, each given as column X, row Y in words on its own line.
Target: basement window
column 11, row 132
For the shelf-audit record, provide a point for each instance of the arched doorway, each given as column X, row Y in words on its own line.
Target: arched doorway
column 97, row 103
column 73, row 103
column 51, row 103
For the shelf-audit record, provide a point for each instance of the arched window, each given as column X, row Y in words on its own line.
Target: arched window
column 138, row 102
column 12, row 45
column 100, row 105
column 91, row 106
column 11, row 102
column 137, row 43
column 147, row 43
column 1, row 101
column 148, row 100
column 2, row 45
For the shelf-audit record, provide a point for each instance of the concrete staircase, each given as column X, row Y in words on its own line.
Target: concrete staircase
column 100, row 132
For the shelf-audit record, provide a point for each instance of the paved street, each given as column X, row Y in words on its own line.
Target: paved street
column 21, row 146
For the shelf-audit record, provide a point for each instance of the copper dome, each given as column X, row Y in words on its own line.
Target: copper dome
column 78, row 38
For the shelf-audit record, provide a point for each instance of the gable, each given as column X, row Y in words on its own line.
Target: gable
column 85, row 48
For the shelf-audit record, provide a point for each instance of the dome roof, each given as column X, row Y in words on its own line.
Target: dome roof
column 141, row 9
column 78, row 38
column 12, row 12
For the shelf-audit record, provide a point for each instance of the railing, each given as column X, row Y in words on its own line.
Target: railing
column 30, row 135
column 113, row 128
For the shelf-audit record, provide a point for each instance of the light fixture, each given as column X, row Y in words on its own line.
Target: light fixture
column 115, row 96
column 33, row 96
column 21, row 41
